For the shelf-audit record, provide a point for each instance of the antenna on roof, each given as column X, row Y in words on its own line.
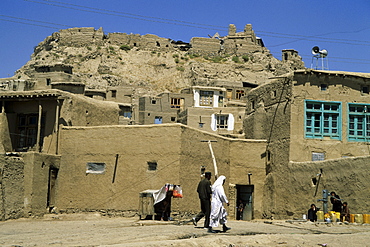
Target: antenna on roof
column 319, row 54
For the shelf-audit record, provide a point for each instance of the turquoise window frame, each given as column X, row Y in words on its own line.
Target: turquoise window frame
column 323, row 119
column 358, row 119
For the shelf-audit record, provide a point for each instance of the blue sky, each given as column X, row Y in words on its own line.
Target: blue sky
column 341, row 27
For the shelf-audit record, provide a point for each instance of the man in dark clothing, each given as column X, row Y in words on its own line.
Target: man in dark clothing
column 311, row 214
column 205, row 193
column 336, row 201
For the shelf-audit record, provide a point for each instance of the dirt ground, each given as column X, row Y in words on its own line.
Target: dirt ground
column 95, row 230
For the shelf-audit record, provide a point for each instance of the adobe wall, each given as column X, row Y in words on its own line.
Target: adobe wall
column 78, row 110
column 44, row 80
column 11, row 187
column 234, row 43
column 134, row 145
column 5, row 141
column 79, row 36
column 247, row 156
column 267, row 114
column 24, row 184
column 293, row 190
column 179, row 154
column 205, row 46
column 197, row 114
column 36, row 181
column 31, row 107
column 344, row 89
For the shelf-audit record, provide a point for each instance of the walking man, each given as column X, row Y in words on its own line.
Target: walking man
column 205, row 193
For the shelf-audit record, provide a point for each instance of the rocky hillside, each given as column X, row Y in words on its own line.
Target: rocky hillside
column 101, row 60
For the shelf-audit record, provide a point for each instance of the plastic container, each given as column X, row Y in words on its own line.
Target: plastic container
column 366, row 218
column 359, row 218
column 351, row 218
column 337, row 214
column 320, row 216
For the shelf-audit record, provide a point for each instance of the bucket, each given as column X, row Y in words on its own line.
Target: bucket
column 351, row 218
column 320, row 216
column 359, row 218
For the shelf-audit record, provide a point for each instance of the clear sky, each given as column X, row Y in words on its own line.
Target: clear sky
column 342, row 27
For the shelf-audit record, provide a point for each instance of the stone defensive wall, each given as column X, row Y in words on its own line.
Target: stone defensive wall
column 234, row 43
column 79, row 36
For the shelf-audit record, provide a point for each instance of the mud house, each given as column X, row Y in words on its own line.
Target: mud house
column 315, row 122
column 206, row 108
column 145, row 157
column 62, row 163
column 163, row 108
column 76, row 157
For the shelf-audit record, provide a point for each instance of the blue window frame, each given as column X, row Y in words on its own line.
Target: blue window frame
column 322, row 119
column 358, row 122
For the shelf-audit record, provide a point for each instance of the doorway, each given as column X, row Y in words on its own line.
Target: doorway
column 53, row 174
column 244, row 195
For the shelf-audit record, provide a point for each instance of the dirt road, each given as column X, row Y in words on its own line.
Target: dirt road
column 95, row 230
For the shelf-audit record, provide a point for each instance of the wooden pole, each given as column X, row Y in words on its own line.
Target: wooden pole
column 213, row 157
column 39, row 128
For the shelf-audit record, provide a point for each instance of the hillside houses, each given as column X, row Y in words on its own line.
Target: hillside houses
column 295, row 127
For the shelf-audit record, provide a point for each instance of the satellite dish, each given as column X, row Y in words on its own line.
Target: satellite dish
column 315, row 50
column 323, row 53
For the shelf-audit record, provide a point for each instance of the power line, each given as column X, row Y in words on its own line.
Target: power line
column 304, row 37
column 20, row 22
column 203, row 26
column 125, row 13
column 18, row 18
column 121, row 14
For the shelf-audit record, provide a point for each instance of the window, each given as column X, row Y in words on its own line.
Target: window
column 157, row 120
column 175, row 102
column 48, row 81
column 27, row 131
column 273, row 94
column 95, row 168
column 152, row 165
column 206, row 98
column 365, row 90
column 154, row 101
column 239, row 94
column 229, row 94
column 173, row 119
column 324, row 87
column 127, row 114
column 114, row 93
column 221, row 121
column 318, row 156
column 220, row 101
column 322, row 119
column 358, row 122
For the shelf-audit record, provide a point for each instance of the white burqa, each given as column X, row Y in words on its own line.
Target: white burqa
column 218, row 212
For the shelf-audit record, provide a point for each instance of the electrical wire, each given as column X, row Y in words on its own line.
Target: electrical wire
column 202, row 25
column 125, row 13
column 121, row 14
column 30, row 20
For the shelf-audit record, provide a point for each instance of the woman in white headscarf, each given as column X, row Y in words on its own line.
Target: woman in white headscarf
column 218, row 212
